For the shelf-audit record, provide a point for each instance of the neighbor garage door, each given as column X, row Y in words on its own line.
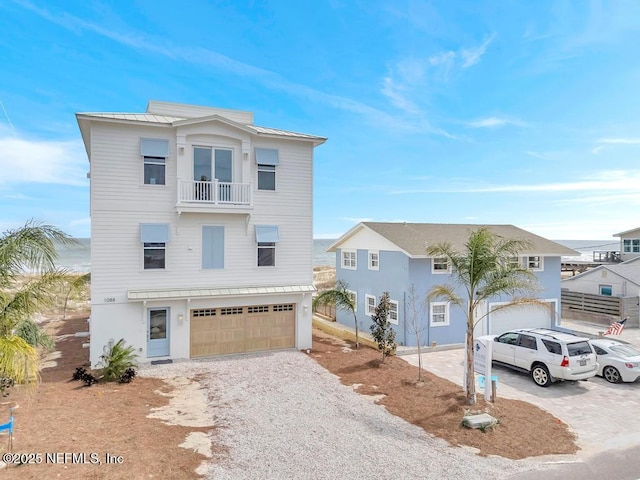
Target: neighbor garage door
column 219, row 331
column 521, row 317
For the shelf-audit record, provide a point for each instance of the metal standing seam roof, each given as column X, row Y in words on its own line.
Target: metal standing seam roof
column 414, row 238
column 169, row 121
column 135, row 117
column 179, row 293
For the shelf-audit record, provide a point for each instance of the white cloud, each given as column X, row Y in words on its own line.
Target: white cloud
column 17, row 196
column 38, row 161
column 492, row 122
column 613, row 181
column 541, row 156
column 397, row 94
column 471, row 56
column 211, row 58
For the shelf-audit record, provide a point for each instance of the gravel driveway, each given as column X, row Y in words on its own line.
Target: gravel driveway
column 283, row 416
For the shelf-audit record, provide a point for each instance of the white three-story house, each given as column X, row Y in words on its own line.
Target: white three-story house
column 201, row 232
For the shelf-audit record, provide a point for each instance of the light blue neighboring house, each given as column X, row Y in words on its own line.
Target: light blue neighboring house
column 375, row 257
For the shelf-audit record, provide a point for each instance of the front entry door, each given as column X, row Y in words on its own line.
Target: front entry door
column 158, row 332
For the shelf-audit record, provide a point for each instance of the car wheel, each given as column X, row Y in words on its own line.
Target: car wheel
column 611, row 374
column 540, row 375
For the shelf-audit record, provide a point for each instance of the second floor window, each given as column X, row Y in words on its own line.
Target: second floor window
column 154, row 238
column 266, row 177
column 374, row 260
column 154, row 256
column 349, row 259
column 534, row 262
column 266, row 254
column 266, row 238
column 631, row 245
column 267, row 160
column 154, row 170
column 440, row 265
column 154, row 151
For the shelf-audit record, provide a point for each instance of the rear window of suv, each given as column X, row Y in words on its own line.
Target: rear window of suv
column 579, row 348
column 552, row 347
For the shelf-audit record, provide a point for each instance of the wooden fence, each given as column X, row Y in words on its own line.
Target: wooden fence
column 327, row 311
column 587, row 302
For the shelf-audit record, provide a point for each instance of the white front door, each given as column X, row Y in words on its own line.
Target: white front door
column 158, row 332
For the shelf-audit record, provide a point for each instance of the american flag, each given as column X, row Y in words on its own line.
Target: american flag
column 615, row 328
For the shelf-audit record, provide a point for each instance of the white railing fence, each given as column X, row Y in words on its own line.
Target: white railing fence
column 215, row 192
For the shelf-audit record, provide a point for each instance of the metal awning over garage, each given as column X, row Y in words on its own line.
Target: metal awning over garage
column 175, row 293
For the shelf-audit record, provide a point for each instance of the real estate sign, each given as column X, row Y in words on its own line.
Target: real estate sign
column 482, row 361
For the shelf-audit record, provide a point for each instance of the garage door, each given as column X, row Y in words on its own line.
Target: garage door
column 521, row 317
column 220, row 331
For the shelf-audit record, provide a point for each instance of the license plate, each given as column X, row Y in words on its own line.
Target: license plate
column 583, row 363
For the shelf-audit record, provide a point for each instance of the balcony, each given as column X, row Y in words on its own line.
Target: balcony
column 215, row 196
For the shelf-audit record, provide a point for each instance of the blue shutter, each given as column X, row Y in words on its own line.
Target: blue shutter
column 212, row 247
column 267, row 156
column 154, row 232
column 154, row 147
column 267, row 234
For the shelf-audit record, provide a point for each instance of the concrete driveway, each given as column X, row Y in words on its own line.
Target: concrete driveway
column 604, row 416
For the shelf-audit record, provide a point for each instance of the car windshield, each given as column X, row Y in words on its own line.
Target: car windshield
column 579, row 348
column 625, row 350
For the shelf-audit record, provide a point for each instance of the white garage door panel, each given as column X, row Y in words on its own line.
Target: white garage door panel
column 520, row 317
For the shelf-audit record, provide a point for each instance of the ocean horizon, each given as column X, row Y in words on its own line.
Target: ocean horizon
column 77, row 258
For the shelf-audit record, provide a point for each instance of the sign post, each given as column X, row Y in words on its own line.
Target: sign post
column 482, row 349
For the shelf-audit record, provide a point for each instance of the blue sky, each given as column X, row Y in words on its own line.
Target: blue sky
column 515, row 112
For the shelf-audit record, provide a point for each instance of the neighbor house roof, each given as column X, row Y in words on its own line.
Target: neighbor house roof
column 629, row 272
column 414, row 238
column 626, row 232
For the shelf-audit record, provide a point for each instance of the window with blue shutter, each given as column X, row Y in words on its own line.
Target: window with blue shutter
column 212, row 247
column 267, row 160
column 154, row 151
column 154, row 238
column 266, row 237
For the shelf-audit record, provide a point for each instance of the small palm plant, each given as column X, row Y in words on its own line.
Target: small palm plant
column 116, row 359
column 342, row 298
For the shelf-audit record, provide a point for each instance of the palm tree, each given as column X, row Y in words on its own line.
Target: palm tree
column 28, row 284
column 342, row 298
column 484, row 269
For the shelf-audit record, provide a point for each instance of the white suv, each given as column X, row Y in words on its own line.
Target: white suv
column 547, row 355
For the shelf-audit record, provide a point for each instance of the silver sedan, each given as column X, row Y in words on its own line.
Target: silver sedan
column 617, row 361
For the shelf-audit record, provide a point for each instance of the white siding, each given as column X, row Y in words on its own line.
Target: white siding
column 120, row 202
column 195, row 111
column 129, row 321
column 589, row 282
column 367, row 239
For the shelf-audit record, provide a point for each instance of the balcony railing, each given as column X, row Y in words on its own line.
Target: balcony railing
column 214, row 193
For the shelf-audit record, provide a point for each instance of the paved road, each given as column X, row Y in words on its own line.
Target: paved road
column 611, row 465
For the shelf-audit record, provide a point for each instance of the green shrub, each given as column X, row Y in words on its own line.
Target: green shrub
column 116, row 359
column 34, row 335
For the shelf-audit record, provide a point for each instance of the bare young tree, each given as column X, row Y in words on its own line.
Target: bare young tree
column 416, row 324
